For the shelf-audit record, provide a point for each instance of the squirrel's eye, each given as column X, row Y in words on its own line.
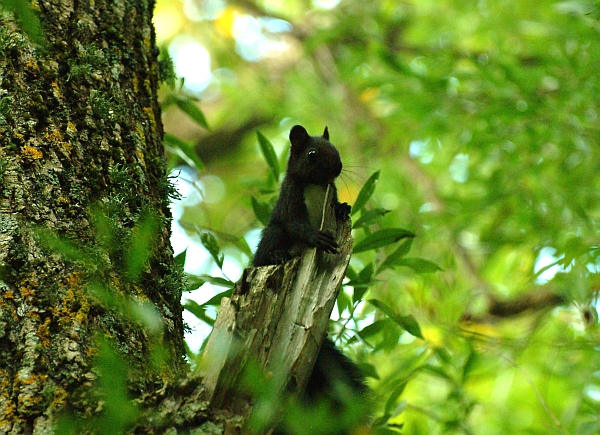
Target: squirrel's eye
column 312, row 153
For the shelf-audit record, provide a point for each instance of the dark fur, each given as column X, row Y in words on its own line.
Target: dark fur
column 335, row 380
column 313, row 160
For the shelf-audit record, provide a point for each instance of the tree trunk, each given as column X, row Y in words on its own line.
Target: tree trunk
column 90, row 312
column 83, row 198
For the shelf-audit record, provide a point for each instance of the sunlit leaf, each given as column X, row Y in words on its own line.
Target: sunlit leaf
column 140, row 249
column 184, row 149
column 370, row 217
column 373, row 329
column 262, row 210
column 199, row 311
column 216, row 300
column 269, row 154
column 67, row 249
column 119, row 410
column 27, row 17
column 368, row 370
column 351, row 273
column 189, row 107
column 365, row 193
column 381, row 238
column 408, row 323
column 361, row 284
column 194, row 282
column 391, row 406
column 212, row 246
column 243, row 246
column 218, row 281
column 343, row 302
column 439, row 371
column 180, row 259
column 419, row 265
column 393, row 259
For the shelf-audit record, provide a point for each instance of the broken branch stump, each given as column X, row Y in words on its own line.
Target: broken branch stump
column 276, row 318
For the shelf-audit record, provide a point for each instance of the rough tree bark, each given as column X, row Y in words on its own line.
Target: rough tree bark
column 84, row 245
column 81, row 165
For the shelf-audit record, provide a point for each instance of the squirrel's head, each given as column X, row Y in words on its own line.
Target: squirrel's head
column 313, row 159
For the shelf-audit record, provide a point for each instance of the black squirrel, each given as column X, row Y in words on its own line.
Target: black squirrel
column 313, row 165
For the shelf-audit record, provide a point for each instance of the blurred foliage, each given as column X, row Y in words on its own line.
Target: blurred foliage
column 119, row 413
column 480, row 120
column 25, row 13
column 113, row 269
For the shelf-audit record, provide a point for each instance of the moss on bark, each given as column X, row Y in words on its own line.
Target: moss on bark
column 84, row 218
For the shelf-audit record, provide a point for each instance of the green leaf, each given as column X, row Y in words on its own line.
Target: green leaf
column 391, row 406
column 199, row 311
column 545, row 268
column 189, row 107
column 243, row 246
column 343, row 302
column 65, row 248
column 140, row 249
column 262, row 210
column 351, row 274
column 408, row 323
column 438, row 371
column 373, row 329
column 27, row 17
column 381, row 238
column 361, row 285
column 396, row 256
column 180, row 259
column 184, row 149
column 215, row 280
column 119, row 411
column 370, row 217
column 193, row 282
column 574, row 247
column 419, row 265
column 391, row 429
column 368, row 370
column 269, row 154
column 216, row 300
column 366, row 192
column 212, row 246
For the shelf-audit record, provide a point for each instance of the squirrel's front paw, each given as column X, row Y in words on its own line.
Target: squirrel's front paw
column 325, row 241
column 342, row 211
column 279, row 257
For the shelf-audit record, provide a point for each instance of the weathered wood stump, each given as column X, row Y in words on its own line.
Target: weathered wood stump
column 277, row 319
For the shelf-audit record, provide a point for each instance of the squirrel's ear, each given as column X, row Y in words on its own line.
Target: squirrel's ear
column 326, row 134
column 298, row 135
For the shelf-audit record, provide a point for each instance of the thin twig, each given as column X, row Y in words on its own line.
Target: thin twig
column 538, row 395
column 324, row 210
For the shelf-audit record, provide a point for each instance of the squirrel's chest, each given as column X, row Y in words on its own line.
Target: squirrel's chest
column 314, row 197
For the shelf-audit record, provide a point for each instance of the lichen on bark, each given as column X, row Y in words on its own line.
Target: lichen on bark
column 83, row 189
